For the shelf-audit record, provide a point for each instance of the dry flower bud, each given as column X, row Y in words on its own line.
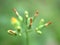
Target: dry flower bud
column 36, row 13
column 12, row 32
column 30, row 21
column 47, row 23
column 15, row 11
column 17, row 14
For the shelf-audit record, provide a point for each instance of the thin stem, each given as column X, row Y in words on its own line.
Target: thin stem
column 27, row 35
column 27, row 38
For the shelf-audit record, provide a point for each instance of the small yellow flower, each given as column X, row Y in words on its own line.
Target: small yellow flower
column 14, row 20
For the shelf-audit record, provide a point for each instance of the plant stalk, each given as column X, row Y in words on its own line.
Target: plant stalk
column 27, row 38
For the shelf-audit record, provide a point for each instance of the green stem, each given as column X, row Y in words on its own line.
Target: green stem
column 27, row 35
column 27, row 38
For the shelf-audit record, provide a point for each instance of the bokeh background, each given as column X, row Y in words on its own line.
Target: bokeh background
column 48, row 10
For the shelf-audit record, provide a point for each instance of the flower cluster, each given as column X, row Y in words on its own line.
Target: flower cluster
column 29, row 21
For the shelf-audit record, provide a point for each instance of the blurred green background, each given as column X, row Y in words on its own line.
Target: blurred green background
column 48, row 10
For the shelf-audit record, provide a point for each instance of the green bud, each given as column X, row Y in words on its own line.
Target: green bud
column 39, row 32
column 20, row 34
column 26, row 12
column 41, row 22
column 37, row 29
column 18, row 28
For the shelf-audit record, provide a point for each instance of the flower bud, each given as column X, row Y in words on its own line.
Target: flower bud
column 39, row 32
column 14, row 20
column 18, row 14
column 30, row 23
column 26, row 16
column 26, row 12
column 48, row 23
column 37, row 29
column 20, row 34
column 41, row 22
column 11, row 32
column 18, row 29
column 15, row 11
column 36, row 13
